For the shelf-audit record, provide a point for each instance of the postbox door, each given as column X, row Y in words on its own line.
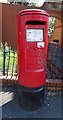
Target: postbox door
column 35, row 47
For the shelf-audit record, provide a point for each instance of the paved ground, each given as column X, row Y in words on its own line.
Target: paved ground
column 51, row 108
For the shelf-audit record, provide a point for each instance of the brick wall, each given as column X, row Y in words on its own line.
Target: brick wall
column 9, row 23
column 57, row 32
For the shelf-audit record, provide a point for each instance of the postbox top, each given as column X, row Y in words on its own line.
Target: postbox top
column 33, row 11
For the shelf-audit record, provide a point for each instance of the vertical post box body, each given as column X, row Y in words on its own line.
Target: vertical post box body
column 32, row 48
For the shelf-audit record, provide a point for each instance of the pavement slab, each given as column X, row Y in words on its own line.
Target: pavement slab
column 51, row 107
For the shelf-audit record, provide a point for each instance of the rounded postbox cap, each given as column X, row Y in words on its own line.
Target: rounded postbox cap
column 33, row 11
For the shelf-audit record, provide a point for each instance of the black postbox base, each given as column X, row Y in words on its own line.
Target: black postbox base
column 31, row 98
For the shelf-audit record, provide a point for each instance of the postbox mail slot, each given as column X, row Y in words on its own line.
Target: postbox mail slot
column 35, row 22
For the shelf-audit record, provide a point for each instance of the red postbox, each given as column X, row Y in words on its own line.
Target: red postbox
column 32, row 49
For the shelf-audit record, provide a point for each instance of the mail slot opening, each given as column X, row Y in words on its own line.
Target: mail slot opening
column 35, row 22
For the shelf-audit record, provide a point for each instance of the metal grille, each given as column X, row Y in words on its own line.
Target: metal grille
column 54, row 62
column 8, row 61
